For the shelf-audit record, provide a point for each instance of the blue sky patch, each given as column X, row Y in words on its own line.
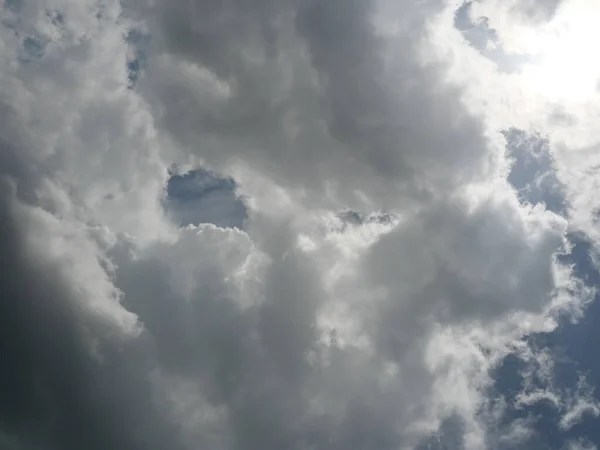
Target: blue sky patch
column 484, row 38
column 572, row 346
column 201, row 196
column 138, row 42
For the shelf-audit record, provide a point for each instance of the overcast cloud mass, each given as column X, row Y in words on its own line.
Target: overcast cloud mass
column 299, row 224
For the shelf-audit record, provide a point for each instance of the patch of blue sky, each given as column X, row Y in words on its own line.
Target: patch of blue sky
column 13, row 5
column 33, row 44
column 354, row 218
column 482, row 37
column 533, row 173
column 138, row 42
column 572, row 345
column 201, row 196
column 449, row 436
column 33, row 47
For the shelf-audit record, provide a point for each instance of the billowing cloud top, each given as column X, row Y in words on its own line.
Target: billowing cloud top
column 294, row 224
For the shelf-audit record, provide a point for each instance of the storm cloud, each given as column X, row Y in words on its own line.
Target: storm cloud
column 285, row 224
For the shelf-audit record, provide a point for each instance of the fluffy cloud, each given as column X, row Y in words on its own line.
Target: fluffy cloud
column 384, row 265
column 325, row 98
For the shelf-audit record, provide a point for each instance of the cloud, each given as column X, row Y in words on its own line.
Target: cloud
column 64, row 376
column 580, row 445
column 385, row 267
column 309, row 99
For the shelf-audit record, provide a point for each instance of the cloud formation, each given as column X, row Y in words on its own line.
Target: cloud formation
column 381, row 261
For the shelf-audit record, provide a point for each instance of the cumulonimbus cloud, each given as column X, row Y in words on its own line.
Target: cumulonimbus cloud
column 303, row 326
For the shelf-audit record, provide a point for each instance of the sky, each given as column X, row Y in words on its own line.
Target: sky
column 299, row 224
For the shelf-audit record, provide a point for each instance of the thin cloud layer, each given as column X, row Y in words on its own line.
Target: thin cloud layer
column 385, row 266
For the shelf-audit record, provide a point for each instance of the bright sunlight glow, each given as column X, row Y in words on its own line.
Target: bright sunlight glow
column 567, row 66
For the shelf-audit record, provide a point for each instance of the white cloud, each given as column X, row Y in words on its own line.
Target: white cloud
column 303, row 330
column 554, row 94
column 579, row 402
column 580, row 445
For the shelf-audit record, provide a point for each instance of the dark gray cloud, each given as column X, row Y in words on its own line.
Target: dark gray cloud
column 318, row 97
column 54, row 394
column 252, row 361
